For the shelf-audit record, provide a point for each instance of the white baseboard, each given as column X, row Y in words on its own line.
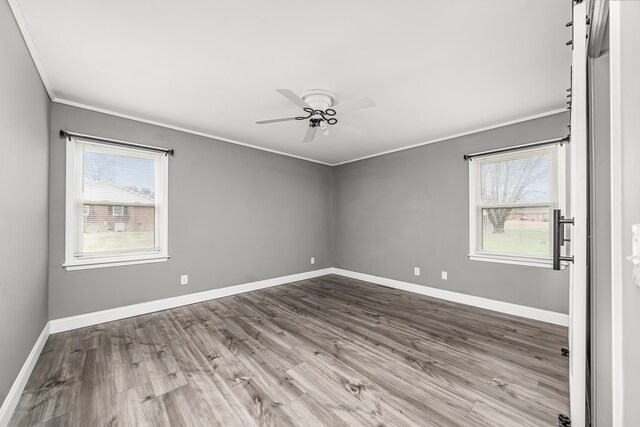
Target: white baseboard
column 83, row 320
column 94, row 318
column 11, row 401
column 97, row 317
column 489, row 304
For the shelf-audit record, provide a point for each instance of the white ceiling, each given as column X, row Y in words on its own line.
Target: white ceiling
column 434, row 68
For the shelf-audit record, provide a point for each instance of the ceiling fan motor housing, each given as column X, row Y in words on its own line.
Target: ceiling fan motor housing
column 320, row 102
column 319, row 99
column 318, row 105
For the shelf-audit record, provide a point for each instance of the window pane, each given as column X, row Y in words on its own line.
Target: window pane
column 117, row 178
column 521, row 178
column 118, row 198
column 516, row 231
column 133, row 231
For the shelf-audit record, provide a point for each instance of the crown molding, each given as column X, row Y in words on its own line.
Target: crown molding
column 282, row 153
column 181, row 129
column 24, row 29
column 458, row 135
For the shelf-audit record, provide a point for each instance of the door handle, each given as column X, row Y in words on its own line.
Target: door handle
column 558, row 238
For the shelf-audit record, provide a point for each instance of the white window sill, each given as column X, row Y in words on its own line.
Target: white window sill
column 529, row 262
column 102, row 263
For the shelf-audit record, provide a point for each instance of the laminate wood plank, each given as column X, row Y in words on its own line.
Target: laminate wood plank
column 310, row 411
column 398, row 347
column 368, row 394
column 523, row 354
column 329, row 351
column 222, row 406
column 410, row 357
column 348, row 400
column 463, row 323
column 425, row 394
column 447, row 308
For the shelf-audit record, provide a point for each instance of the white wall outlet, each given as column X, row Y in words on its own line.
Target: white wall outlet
column 416, row 271
column 313, row 260
column 184, row 279
column 444, row 275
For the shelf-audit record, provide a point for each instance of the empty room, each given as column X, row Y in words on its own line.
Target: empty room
column 284, row 213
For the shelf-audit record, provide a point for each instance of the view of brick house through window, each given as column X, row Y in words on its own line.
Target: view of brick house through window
column 118, row 197
column 137, row 221
column 116, row 210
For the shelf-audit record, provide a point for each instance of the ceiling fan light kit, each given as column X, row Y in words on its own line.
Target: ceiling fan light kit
column 318, row 105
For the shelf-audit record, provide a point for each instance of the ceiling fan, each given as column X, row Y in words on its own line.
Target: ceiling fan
column 321, row 108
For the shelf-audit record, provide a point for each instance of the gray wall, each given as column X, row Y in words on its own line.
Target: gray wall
column 24, row 186
column 264, row 215
column 601, row 237
column 236, row 215
column 410, row 208
column 630, row 137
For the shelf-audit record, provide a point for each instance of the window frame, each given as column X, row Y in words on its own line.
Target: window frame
column 74, row 161
column 113, row 210
column 531, row 261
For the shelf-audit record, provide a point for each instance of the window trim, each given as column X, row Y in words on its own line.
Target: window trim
column 72, row 262
column 113, row 210
column 530, row 261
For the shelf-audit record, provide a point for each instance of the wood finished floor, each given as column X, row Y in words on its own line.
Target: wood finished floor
column 328, row 351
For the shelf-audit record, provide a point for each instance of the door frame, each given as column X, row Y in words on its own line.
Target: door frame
column 579, row 269
column 617, row 378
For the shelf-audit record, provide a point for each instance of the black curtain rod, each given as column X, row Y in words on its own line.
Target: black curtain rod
column 518, row 147
column 65, row 134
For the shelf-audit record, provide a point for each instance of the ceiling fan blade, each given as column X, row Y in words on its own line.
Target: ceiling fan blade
column 284, row 119
column 293, row 97
column 351, row 128
column 356, row 104
column 311, row 134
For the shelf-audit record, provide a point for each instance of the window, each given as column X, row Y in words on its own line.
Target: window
column 116, row 205
column 117, row 210
column 512, row 197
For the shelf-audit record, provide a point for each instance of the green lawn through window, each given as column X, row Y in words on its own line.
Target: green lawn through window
column 528, row 238
column 109, row 241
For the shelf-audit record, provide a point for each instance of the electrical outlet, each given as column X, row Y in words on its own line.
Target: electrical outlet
column 444, row 275
column 313, row 260
column 184, row 279
column 416, row 271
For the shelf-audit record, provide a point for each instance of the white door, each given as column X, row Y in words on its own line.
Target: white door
column 578, row 148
